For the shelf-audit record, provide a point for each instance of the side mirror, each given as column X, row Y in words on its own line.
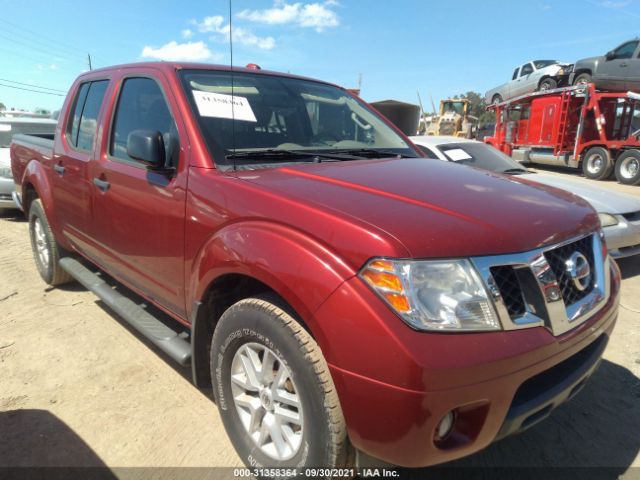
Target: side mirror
column 610, row 55
column 148, row 147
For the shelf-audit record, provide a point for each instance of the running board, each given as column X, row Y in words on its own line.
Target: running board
column 167, row 340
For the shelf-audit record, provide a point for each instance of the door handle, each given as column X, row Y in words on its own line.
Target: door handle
column 103, row 185
column 58, row 167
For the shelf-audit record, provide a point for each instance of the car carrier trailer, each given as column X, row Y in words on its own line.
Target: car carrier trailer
column 576, row 127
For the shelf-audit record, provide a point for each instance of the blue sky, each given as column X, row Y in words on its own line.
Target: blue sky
column 440, row 48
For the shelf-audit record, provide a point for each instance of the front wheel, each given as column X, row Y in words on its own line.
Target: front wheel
column 628, row 167
column 547, row 84
column 272, row 385
column 582, row 79
column 597, row 164
column 46, row 250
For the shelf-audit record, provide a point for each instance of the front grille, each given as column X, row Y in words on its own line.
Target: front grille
column 509, row 286
column 5, row 196
column 557, row 261
column 631, row 217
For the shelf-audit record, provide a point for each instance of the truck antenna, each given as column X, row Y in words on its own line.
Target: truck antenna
column 89, row 60
column 233, row 112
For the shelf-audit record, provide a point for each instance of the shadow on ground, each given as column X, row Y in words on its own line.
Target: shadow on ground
column 37, row 444
column 629, row 267
column 595, row 435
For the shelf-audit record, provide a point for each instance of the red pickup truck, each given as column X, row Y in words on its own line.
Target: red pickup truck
column 345, row 298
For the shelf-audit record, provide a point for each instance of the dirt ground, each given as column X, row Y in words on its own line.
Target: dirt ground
column 79, row 388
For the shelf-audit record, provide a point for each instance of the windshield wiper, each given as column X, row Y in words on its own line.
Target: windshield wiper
column 372, row 153
column 274, row 154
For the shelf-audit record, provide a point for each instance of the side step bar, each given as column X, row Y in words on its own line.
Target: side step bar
column 158, row 333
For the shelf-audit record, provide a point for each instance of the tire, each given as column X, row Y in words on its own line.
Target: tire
column 547, row 84
column 496, row 99
column 597, row 164
column 258, row 328
column 45, row 248
column 581, row 79
column 628, row 167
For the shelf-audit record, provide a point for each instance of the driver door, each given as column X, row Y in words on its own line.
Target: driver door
column 613, row 72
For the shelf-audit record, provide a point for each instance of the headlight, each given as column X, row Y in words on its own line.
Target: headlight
column 444, row 295
column 5, row 172
column 607, row 220
column 561, row 72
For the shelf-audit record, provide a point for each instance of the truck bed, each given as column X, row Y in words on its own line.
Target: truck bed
column 25, row 148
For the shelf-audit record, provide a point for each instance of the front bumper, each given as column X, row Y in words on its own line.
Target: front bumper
column 396, row 384
column 7, row 187
column 623, row 239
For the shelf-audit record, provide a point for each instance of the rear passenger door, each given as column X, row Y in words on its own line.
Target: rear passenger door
column 139, row 214
column 71, row 186
column 524, row 83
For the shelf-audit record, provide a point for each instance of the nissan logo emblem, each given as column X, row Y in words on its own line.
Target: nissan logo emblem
column 579, row 271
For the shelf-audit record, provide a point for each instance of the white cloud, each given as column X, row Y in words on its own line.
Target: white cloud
column 215, row 24
column 209, row 24
column 186, row 33
column 310, row 15
column 173, row 51
column 246, row 37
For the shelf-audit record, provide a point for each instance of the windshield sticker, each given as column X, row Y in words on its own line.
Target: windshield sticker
column 457, row 154
column 5, row 127
column 219, row 105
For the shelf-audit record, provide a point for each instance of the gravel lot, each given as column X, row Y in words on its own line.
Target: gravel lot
column 79, row 388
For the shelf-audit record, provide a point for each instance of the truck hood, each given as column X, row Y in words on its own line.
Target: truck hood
column 434, row 208
column 602, row 200
column 587, row 61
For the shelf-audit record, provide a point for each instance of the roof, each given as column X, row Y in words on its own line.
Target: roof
column 173, row 66
column 434, row 140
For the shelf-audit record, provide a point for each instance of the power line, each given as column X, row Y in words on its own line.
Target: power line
column 30, row 90
column 31, row 85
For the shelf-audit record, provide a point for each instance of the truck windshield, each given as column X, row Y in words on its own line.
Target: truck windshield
column 544, row 63
column 284, row 119
column 481, row 155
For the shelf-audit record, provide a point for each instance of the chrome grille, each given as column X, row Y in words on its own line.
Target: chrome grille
column 535, row 288
column 557, row 261
column 510, row 289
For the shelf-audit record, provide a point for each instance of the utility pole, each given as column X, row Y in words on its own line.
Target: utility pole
column 89, row 60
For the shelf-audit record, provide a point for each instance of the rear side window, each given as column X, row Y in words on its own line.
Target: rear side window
column 515, row 73
column 83, row 123
column 526, row 70
column 142, row 106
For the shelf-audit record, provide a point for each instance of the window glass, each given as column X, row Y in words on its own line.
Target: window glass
column 89, row 119
column 269, row 112
column 481, row 155
column 426, row 152
column 544, row 63
column 142, row 106
column 625, row 51
column 515, row 73
column 526, row 70
column 76, row 113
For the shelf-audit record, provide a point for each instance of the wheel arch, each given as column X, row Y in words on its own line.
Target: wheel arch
column 294, row 268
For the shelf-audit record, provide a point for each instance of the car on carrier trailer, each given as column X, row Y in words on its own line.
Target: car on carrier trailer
column 575, row 127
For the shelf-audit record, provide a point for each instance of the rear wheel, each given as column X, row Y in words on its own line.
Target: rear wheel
column 272, row 385
column 46, row 250
column 496, row 99
column 547, row 84
column 597, row 164
column 628, row 167
column 582, row 79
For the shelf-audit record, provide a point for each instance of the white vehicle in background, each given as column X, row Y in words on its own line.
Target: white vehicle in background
column 533, row 76
column 619, row 213
column 9, row 126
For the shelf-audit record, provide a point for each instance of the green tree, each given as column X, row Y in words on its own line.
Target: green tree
column 478, row 107
column 2, row 106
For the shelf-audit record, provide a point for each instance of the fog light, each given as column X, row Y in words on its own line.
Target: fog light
column 445, row 426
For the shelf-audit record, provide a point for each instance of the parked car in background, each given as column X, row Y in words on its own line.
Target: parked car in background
column 8, row 127
column 536, row 75
column 619, row 213
column 618, row 69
